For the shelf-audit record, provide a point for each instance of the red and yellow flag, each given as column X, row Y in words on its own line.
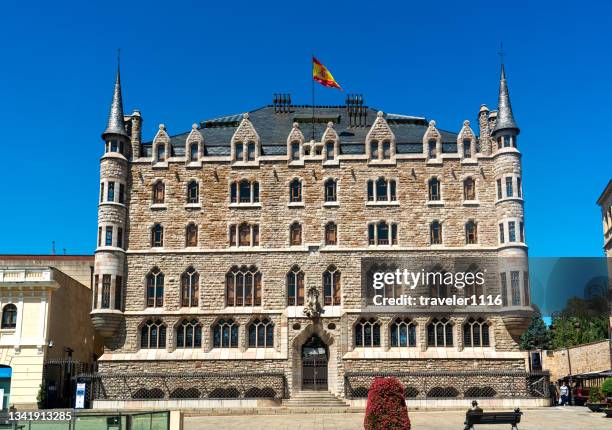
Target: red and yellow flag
column 322, row 75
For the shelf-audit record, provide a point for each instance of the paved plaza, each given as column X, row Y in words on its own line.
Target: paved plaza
column 558, row 418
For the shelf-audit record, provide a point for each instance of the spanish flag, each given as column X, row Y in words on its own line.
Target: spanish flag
column 322, row 75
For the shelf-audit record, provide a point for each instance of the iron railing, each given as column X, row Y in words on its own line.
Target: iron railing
column 463, row 385
column 194, row 385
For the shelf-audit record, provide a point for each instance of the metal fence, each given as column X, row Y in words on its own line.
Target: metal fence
column 195, row 385
column 448, row 385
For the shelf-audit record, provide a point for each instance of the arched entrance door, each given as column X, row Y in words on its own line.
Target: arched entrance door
column 315, row 355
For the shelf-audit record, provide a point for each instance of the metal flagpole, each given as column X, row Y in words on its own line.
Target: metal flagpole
column 313, row 99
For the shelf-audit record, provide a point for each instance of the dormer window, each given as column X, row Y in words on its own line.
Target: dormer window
column 161, row 153
column 467, row 148
column 329, row 146
column 295, row 150
column 193, row 152
column 251, row 151
column 374, row 150
column 431, row 149
column 239, row 151
column 386, row 150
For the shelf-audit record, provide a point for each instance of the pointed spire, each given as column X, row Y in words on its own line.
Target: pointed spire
column 116, row 125
column 505, row 117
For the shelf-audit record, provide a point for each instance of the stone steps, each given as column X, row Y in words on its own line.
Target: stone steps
column 314, row 399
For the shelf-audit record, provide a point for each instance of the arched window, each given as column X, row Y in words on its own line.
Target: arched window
column 475, row 288
column 329, row 150
column 193, row 194
column 331, row 286
column 251, row 151
column 159, row 192
column 295, row 191
column 153, row 335
column 157, row 236
column 244, row 234
column 190, row 281
column 469, row 189
column 330, row 190
column 155, row 288
column 436, row 278
column 225, row 334
column 295, row 286
column 261, row 334
column 367, row 333
column 374, row 150
column 434, row 189
column 382, row 190
column 440, row 333
column 382, row 233
column 239, row 151
column 471, row 233
column 244, row 191
column 295, row 150
column 189, row 334
column 386, row 153
column 435, row 233
column 476, row 333
column 295, row 234
column 9, row 316
column 161, row 152
column 193, row 151
column 467, row 148
column 403, row 332
column 191, row 235
column 331, row 233
column 243, row 286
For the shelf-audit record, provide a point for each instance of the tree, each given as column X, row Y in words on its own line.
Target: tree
column 537, row 335
column 386, row 409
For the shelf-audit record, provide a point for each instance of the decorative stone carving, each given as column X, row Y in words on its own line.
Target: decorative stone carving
column 313, row 306
column 380, row 130
column 245, row 131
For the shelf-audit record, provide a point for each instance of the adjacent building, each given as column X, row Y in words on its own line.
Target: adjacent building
column 216, row 246
column 44, row 325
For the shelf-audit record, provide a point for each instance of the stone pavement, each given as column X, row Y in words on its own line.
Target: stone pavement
column 558, row 418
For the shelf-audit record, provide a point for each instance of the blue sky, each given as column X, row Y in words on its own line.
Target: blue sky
column 183, row 62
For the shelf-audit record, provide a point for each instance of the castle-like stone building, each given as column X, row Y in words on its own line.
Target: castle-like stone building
column 235, row 248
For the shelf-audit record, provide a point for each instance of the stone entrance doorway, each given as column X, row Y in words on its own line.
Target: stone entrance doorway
column 315, row 356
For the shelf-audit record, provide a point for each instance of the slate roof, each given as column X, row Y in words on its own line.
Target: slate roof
column 274, row 128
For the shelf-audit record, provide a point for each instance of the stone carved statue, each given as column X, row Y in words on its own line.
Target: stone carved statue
column 313, row 307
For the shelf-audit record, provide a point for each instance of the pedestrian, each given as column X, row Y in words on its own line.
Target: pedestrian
column 554, row 394
column 564, row 390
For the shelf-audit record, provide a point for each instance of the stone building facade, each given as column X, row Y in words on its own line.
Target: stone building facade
column 212, row 243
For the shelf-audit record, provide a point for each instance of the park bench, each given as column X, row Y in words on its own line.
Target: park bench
column 477, row 416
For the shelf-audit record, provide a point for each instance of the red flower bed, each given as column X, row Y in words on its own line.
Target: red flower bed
column 386, row 408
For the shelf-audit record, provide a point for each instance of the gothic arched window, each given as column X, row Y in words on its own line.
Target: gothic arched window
column 440, row 333
column 435, row 233
column 190, row 281
column 367, row 333
column 193, row 193
column 261, row 334
column 331, row 286
column 189, row 334
column 155, row 288
column 330, row 190
column 225, row 334
column 434, row 189
column 471, row 233
column 295, row 191
column 243, row 286
column 403, row 332
column 157, row 236
column 153, row 335
column 331, row 233
column 476, row 333
column 191, row 235
column 295, row 234
column 469, row 189
column 295, row 286
column 159, row 191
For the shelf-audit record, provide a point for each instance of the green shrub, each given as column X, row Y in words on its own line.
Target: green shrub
column 596, row 395
column 606, row 387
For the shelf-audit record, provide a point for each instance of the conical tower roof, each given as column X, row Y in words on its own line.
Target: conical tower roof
column 505, row 117
column 116, row 125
